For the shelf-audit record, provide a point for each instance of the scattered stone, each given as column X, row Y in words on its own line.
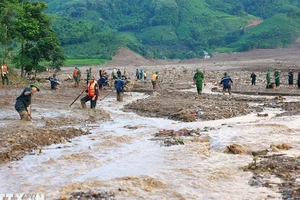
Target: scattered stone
column 87, row 195
column 262, row 114
column 234, row 149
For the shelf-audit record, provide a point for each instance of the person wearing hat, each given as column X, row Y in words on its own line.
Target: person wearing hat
column 154, row 80
column 92, row 93
column 24, row 101
column 198, row 80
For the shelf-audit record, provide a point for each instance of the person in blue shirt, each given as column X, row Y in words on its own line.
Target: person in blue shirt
column 120, row 83
column 24, row 100
column 226, row 81
column 54, row 82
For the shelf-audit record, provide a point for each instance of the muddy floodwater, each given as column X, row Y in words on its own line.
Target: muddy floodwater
column 122, row 155
column 164, row 144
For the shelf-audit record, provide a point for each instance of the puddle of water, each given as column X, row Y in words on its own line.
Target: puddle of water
column 112, row 151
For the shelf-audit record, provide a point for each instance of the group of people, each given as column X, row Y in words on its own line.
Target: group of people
column 94, row 87
column 277, row 82
column 199, row 81
column 140, row 74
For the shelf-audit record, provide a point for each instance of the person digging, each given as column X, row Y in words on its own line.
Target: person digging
column 199, row 80
column 24, row 101
column 92, row 93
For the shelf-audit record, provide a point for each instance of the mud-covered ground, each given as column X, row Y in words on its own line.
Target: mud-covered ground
column 174, row 99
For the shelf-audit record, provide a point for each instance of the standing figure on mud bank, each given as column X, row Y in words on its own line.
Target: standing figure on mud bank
column 4, row 72
column 199, row 80
column 88, row 75
column 277, row 78
column 119, row 85
column 24, row 101
column 268, row 79
column 298, row 80
column 154, row 80
column 92, row 93
column 291, row 78
column 253, row 78
column 137, row 74
column 226, row 82
column 76, row 76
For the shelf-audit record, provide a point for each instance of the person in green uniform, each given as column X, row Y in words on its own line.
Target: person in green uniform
column 277, row 78
column 268, row 78
column 88, row 75
column 199, row 80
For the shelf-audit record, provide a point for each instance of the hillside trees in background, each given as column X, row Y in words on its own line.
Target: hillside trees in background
column 32, row 35
column 170, row 28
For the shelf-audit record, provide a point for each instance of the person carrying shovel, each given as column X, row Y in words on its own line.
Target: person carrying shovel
column 92, row 93
column 24, row 101
column 199, row 80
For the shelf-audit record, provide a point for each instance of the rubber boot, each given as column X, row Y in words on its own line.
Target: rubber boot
column 83, row 104
column 24, row 115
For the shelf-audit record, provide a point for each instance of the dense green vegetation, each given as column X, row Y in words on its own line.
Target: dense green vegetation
column 27, row 37
column 96, row 29
column 172, row 28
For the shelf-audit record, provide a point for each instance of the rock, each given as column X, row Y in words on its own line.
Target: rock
column 260, row 153
column 235, row 149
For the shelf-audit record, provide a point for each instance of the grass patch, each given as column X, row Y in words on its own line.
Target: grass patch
column 79, row 62
column 225, row 50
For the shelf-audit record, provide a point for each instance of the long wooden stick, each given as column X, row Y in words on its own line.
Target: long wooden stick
column 76, row 98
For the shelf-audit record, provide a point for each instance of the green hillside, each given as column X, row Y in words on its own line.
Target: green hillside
column 171, row 28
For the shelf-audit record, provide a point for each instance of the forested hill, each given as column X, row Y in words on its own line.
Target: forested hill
column 172, row 28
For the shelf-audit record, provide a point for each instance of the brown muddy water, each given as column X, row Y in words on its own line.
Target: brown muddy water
column 122, row 155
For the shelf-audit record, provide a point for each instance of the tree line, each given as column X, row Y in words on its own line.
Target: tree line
column 27, row 37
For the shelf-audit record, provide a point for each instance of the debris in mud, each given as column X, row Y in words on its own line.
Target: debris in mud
column 172, row 141
column 181, row 132
column 287, row 169
column 280, row 98
column 282, row 146
column 185, row 108
column 260, row 153
column 170, row 137
column 95, row 195
column 29, row 140
column 262, row 114
column 234, row 149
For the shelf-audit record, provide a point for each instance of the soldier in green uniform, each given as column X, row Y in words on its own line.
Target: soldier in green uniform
column 268, row 78
column 277, row 78
column 199, row 80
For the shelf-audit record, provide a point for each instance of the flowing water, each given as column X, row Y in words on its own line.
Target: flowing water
column 120, row 155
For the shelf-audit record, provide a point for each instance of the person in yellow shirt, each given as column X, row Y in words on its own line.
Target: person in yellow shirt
column 145, row 75
column 154, row 80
